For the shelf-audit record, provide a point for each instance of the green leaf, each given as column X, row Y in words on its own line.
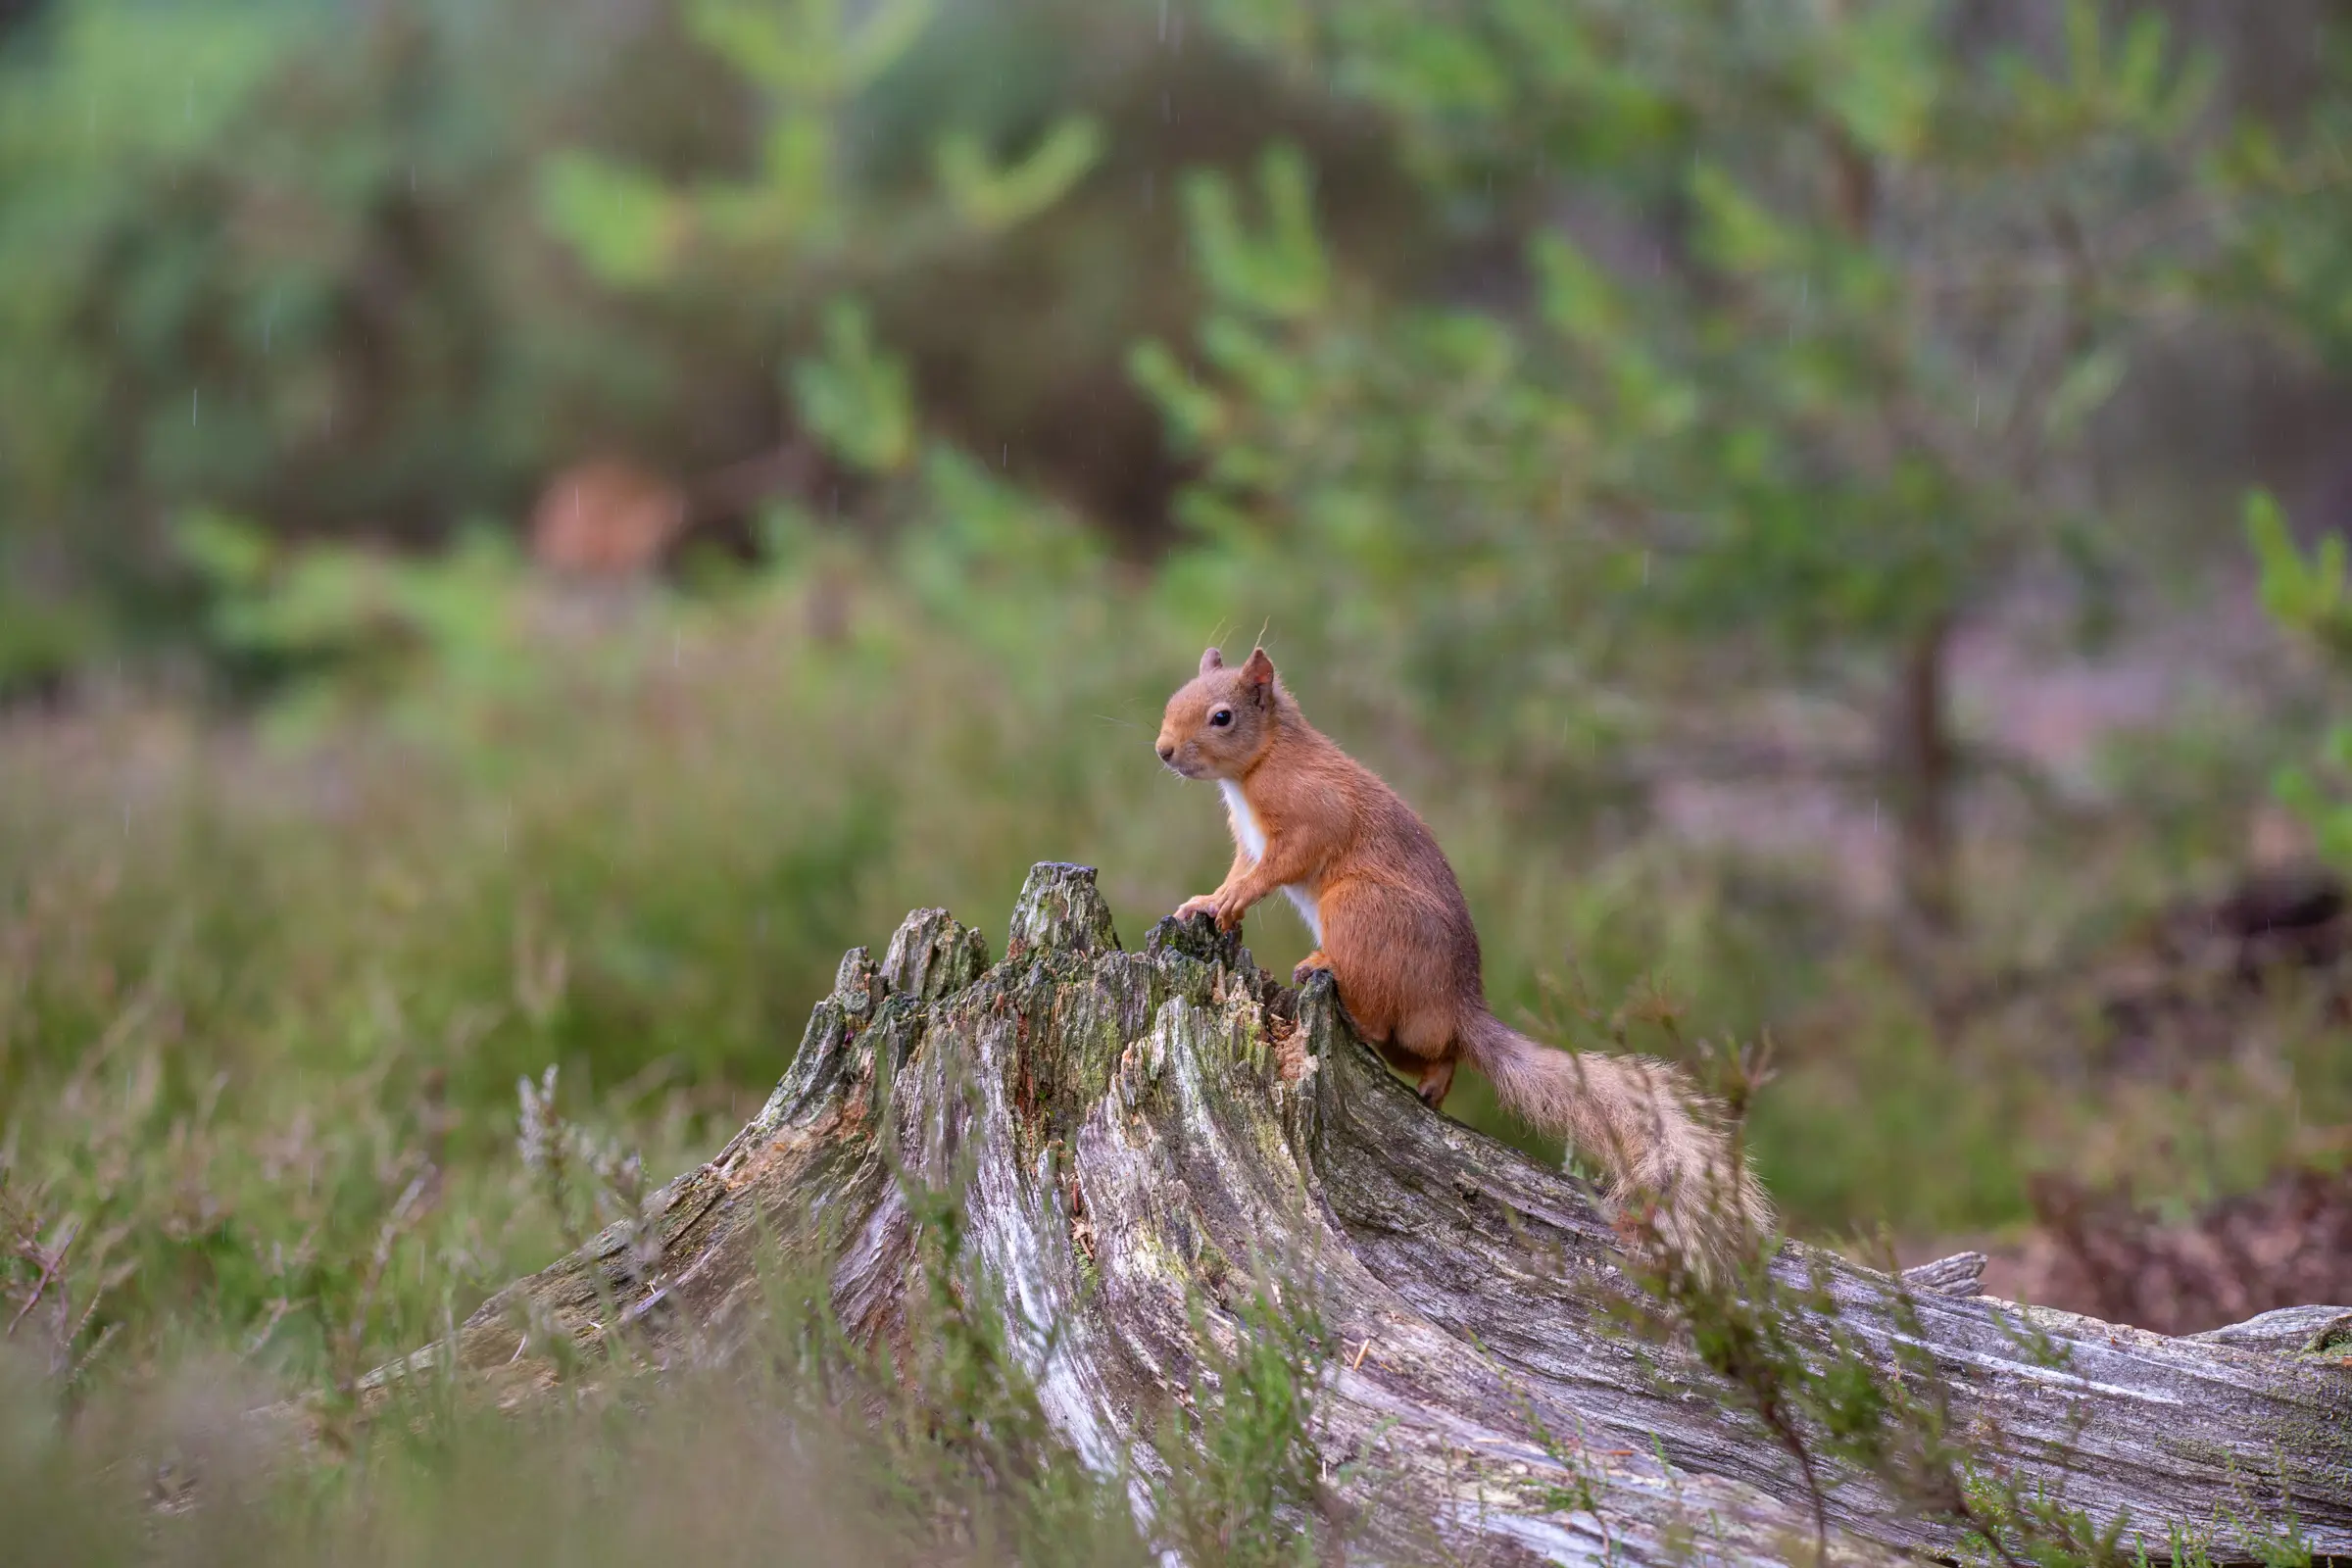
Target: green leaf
column 2085, row 52
column 1578, row 299
column 992, row 198
column 889, row 32
column 2139, row 70
column 791, row 48
column 1737, row 232
column 802, row 49
column 624, row 226
column 1884, row 75
column 2085, row 389
column 1281, row 271
column 1197, row 414
column 855, row 398
column 227, row 552
column 2307, row 595
column 796, row 160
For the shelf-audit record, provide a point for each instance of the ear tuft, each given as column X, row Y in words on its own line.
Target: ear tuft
column 1213, row 659
column 1259, row 671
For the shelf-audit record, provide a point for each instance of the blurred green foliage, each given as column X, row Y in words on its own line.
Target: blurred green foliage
column 805, row 216
column 375, row 272
column 2308, row 594
column 1705, row 340
column 1812, row 312
column 854, row 400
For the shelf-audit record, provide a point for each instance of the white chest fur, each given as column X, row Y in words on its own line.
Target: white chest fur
column 1252, row 839
column 1246, row 831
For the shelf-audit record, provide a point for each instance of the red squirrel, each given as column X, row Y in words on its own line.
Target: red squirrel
column 1392, row 927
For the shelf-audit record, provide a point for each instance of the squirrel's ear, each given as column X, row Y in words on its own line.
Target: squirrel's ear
column 1259, row 671
column 1213, row 659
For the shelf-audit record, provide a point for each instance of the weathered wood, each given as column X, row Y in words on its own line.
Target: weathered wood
column 1961, row 1274
column 1134, row 1129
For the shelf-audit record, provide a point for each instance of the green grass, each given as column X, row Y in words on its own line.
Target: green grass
column 806, row 1448
column 264, row 1006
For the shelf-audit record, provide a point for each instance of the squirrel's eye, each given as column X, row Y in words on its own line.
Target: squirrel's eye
column 1221, row 717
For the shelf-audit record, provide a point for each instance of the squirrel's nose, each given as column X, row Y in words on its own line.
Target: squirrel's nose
column 1167, row 754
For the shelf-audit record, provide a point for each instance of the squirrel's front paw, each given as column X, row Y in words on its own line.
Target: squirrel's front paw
column 1315, row 963
column 1206, row 903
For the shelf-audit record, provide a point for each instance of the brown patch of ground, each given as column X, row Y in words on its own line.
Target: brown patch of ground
column 2288, row 1244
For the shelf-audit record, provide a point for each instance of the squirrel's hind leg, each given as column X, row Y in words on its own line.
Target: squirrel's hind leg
column 1437, row 1081
column 1432, row 1078
column 1425, row 1048
column 1385, row 963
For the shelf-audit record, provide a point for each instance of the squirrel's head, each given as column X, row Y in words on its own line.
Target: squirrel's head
column 1220, row 720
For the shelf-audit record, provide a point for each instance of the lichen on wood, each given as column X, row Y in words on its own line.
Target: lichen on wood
column 1137, row 1137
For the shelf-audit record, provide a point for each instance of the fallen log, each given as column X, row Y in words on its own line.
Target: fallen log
column 1135, row 1133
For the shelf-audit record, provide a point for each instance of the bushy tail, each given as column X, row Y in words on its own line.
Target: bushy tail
column 1661, row 1143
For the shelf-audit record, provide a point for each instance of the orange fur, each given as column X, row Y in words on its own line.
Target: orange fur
column 1395, row 933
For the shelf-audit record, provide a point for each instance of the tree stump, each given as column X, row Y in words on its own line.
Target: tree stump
column 1132, row 1130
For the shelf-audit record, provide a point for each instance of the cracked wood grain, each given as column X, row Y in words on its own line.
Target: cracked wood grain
column 1135, row 1129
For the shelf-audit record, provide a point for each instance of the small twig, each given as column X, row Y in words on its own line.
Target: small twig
column 105, row 1336
column 260, row 1336
column 51, row 1260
